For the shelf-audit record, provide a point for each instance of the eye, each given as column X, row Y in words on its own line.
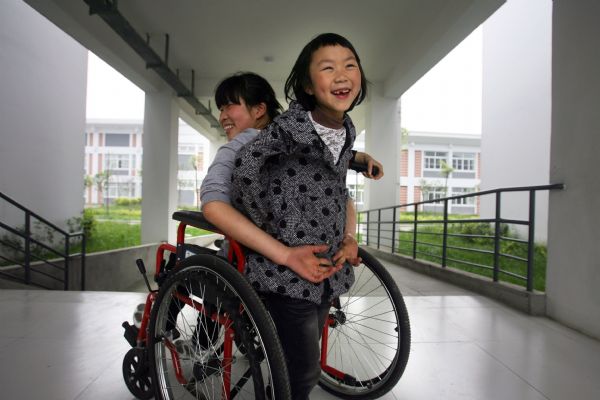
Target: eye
column 327, row 68
column 351, row 66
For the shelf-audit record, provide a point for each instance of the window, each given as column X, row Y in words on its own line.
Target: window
column 357, row 192
column 433, row 159
column 185, row 162
column 117, row 139
column 463, row 161
column 117, row 162
column 121, row 189
column 186, row 184
column 465, row 200
column 434, row 193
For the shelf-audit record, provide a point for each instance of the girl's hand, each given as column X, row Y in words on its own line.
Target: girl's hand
column 348, row 252
column 370, row 161
column 304, row 262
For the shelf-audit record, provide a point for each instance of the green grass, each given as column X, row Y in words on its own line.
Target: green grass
column 114, row 212
column 111, row 235
column 432, row 235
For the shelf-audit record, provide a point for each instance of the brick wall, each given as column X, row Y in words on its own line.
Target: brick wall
column 418, row 163
column 404, row 163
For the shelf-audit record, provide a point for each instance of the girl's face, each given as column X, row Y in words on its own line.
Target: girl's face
column 335, row 79
column 235, row 118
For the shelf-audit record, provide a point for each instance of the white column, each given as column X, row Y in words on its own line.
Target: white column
column 516, row 107
column 573, row 273
column 159, row 166
column 383, row 142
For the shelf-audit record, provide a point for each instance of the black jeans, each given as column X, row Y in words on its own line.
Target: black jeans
column 299, row 325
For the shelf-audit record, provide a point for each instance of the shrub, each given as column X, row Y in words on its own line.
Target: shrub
column 125, row 201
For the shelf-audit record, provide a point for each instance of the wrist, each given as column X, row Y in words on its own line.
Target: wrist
column 349, row 236
column 283, row 255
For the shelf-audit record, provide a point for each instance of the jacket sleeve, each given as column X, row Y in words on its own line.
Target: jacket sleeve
column 250, row 179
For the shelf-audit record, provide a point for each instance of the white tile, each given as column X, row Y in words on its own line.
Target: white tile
column 458, row 371
column 70, row 346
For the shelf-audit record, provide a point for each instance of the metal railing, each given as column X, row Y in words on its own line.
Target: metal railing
column 39, row 263
column 383, row 228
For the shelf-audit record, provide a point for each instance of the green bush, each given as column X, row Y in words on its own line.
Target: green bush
column 125, row 201
column 86, row 223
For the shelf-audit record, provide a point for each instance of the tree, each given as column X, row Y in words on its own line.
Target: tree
column 101, row 179
column 195, row 160
column 88, row 182
column 446, row 171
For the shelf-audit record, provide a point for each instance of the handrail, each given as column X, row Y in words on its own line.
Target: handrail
column 30, row 271
column 497, row 236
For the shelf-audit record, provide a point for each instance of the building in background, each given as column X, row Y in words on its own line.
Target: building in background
column 437, row 165
column 113, row 162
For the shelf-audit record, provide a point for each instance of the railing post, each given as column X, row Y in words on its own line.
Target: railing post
column 368, row 225
column 531, row 241
column 415, row 232
column 497, row 237
column 67, row 259
column 394, row 230
column 378, row 228
column 27, row 260
column 83, row 244
column 445, row 236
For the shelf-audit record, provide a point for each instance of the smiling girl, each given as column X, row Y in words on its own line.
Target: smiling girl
column 291, row 182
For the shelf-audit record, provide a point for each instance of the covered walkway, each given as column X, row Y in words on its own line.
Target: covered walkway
column 69, row 345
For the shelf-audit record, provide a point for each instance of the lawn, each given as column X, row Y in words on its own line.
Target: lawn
column 119, row 227
column 430, row 240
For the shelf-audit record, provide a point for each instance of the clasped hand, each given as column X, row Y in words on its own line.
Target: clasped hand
column 305, row 262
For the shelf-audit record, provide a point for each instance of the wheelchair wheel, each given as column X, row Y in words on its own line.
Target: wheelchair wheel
column 137, row 374
column 211, row 337
column 368, row 340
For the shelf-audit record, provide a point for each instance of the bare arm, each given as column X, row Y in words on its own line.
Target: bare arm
column 301, row 259
column 365, row 158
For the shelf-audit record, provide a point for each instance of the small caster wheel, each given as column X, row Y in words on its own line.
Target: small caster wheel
column 136, row 373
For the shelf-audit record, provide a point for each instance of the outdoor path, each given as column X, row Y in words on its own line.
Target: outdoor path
column 69, row 346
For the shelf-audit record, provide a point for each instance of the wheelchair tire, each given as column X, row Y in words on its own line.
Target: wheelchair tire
column 184, row 368
column 369, row 335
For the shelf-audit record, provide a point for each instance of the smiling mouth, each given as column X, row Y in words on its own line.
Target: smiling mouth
column 341, row 92
column 227, row 127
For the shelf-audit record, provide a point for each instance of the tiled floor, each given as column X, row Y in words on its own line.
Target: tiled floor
column 69, row 345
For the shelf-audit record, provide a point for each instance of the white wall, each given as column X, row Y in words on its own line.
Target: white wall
column 573, row 275
column 516, row 106
column 42, row 114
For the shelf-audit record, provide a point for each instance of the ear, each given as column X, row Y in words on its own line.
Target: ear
column 259, row 110
column 309, row 90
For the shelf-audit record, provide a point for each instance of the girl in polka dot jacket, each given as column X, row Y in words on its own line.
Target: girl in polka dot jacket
column 290, row 181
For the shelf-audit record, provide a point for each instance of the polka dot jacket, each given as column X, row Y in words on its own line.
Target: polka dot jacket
column 287, row 182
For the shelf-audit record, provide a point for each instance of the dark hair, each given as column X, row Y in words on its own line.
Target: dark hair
column 299, row 78
column 250, row 87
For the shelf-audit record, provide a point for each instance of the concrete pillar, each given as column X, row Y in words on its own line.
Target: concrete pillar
column 383, row 142
column 573, row 273
column 159, row 168
column 516, row 108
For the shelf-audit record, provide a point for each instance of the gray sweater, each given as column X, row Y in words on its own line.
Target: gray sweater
column 216, row 186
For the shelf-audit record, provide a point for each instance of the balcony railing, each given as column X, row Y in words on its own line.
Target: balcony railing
column 34, row 261
column 384, row 229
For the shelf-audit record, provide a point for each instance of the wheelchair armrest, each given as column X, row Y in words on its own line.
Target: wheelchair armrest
column 195, row 219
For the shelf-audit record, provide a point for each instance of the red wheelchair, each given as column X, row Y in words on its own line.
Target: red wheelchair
column 205, row 333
